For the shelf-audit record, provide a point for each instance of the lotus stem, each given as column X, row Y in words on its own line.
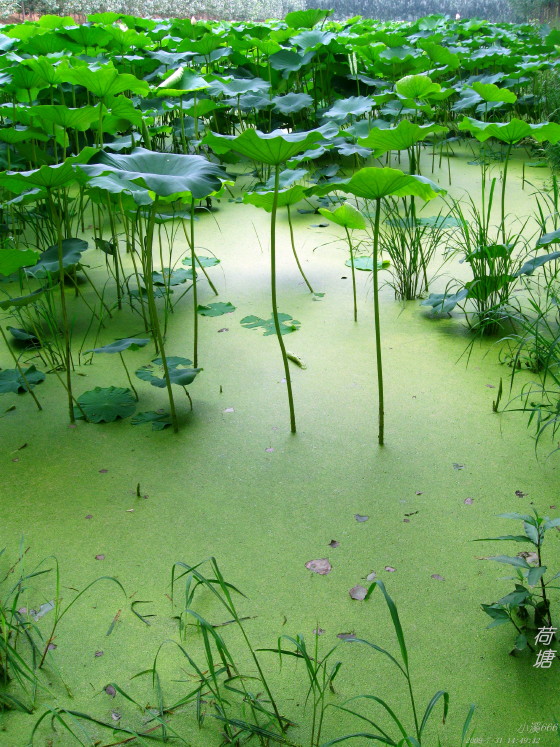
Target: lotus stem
column 274, row 302
column 351, row 248
column 381, row 431
column 300, row 268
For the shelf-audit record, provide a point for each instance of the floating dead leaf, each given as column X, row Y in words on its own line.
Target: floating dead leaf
column 419, row 492
column 346, row 636
column 334, row 543
column 103, row 471
column 52, row 646
column 318, row 631
column 42, row 611
column 89, row 516
column 456, row 465
column 520, row 494
column 320, row 566
column 100, row 557
column 371, row 576
column 358, row 593
column 97, row 654
column 490, row 386
column 110, row 690
column 115, row 716
column 224, row 329
column 228, row 409
column 15, row 460
column 468, row 501
column 552, row 506
column 360, row 518
column 437, row 577
column 530, row 557
column 269, row 450
column 390, row 569
column 406, row 521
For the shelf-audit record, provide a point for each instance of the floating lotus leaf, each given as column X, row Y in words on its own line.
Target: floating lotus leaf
column 12, row 381
column 287, row 324
column 401, row 137
column 159, row 420
column 105, row 404
column 179, row 369
column 119, row 346
column 19, row 301
column 216, row 309
column 202, row 261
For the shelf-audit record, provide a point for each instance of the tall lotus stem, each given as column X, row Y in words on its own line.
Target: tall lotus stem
column 154, row 321
column 504, row 178
column 351, row 248
column 194, row 288
column 66, row 332
column 377, row 322
column 300, row 268
column 273, row 293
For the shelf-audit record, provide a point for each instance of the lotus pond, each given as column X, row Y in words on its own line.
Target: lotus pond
column 279, row 342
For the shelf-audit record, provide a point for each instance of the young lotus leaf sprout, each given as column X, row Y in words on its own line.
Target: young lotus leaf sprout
column 349, row 218
column 375, row 184
column 171, row 177
column 273, row 149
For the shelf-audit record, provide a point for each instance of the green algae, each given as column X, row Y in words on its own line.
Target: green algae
column 235, row 484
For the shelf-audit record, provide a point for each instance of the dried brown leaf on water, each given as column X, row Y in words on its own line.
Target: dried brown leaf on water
column 437, row 577
column 346, row 636
column 334, row 543
column 456, row 465
column 110, row 690
column 360, row 518
column 358, row 593
column 468, row 501
column 520, row 494
column 318, row 631
column 371, row 576
column 320, row 566
column 390, row 569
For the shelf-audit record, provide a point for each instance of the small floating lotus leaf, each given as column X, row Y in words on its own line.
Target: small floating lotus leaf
column 119, row 346
column 159, row 420
column 179, row 372
column 202, row 261
column 105, row 404
column 216, row 309
column 23, row 300
column 287, row 324
column 12, row 381
column 366, row 264
column 172, row 277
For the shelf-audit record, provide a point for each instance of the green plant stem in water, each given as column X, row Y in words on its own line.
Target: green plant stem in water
column 381, row 431
column 300, row 268
column 154, row 321
column 66, row 332
column 194, row 288
column 351, row 249
column 274, row 303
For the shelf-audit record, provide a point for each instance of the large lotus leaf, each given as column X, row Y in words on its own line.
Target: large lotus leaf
column 13, row 135
column 375, row 183
column 313, row 38
column 248, row 101
column 306, row 19
column 272, row 148
column 205, row 46
column 345, row 215
column 398, row 54
column 416, row 87
column 292, row 102
column 114, row 184
column 239, row 86
column 285, row 179
column 77, row 119
column 72, row 250
column 511, row 132
column 287, row 324
column 354, row 105
column 104, row 80
column 12, row 260
column 289, row 196
column 165, row 174
column 401, row 137
column 532, row 264
column 490, row 92
column 440, row 55
column 289, row 62
column 105, row 405
column 201, row 107
column 124, row 142
column 50, row 177
column 88, row 36
column 351, row 149
column 12, row 381
column 119, row 346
